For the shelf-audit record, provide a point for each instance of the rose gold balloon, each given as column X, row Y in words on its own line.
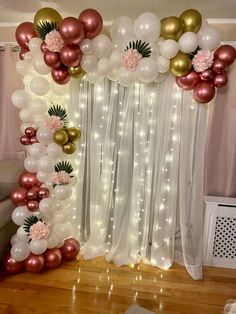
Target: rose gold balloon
column 32, row 205
column 31, row 194
column 24, row 32
column 92, row 21
column 22, row 54
column 206, row 75
column 204, row 92
column 71, row 31
column 52, row 59
column 189, row 81
column 70, row 249
column 75, row 242
column 60, row 75
column 33, row 140
column 220, row 80
column 53, row 258
column 34, row 263
column 11, row 265
column 225, row 53
column 28, row 180
column 43, row 193
column 218, row 66
column 70, row 55
column 24, row 140
column 29, row 132
column 18, row 196
column 44, row 47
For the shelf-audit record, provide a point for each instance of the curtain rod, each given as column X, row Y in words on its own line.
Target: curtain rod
column 15, row 48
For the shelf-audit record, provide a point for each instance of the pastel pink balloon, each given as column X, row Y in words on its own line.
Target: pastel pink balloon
column 225, row 53
column 206, row 75
column 189, row 81
column 70, row 249
column 204, row 92
column 220, row 80
column 53, row 258
column 92, row 21
column 34, row 263
column 60, row 75
column 11, row 265
column 18, row 196
column 218, row 66
column 28, row 180
column 71, row 31
column 24, row 140
column 24, row 32
column 70, row 55
column 32, row 205
column 52, row 59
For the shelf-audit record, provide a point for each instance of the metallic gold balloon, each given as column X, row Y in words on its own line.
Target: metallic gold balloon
column 171, row 28
column 73, row 134
column 77, row 72
column 61, row 137
column 69, row 148
column 180, row 65
column 191, row 20
column 46, row 15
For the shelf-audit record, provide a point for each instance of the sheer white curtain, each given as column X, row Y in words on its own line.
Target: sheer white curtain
column 140, row 178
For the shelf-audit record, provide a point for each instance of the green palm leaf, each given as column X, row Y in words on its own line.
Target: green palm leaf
column 64, row 166
column 46, row 27
column 58, row 111
column 142, row 47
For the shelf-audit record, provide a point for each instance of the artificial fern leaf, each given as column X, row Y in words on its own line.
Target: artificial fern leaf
column 31, row 220
column 46, row 27
column 142, row 47
column 58, row 111
column 64, row 166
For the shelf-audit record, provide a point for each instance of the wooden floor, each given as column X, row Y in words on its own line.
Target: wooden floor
column 96, row 286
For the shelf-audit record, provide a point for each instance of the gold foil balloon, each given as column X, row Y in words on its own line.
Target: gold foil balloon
column 73, row 134
column 171, row 28
column 60, row 137
column 48, row 15
column 191, row 20
column 180, row 64
column 77, row 72
column 69, row 148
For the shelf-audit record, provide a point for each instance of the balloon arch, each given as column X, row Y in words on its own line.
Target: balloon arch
column 54, row 50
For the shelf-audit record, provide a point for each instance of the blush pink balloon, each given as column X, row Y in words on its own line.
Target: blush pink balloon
column 31, row 194
column 70, row 55
column 206, row 75
column 18, row 196
column 44, row 47
column 53, row 258
column 32, row 205
column 60, row 75
column 218, row 66
column 33, row 140
column 43, row 193
column 92, row 21
column 24, row 140
column 30, row 131
column 70, row 249
column 71, row 31
column 24, row 32
column 28, row 180
column 11, row 265
column 189, row 81
column 34, row 263
column 52, row 59
column 204, row 92
column 225, row 53
column 220, row 80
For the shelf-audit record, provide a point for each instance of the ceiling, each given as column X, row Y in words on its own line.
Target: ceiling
column 15, row 11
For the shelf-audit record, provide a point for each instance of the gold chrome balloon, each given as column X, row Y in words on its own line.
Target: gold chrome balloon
column 180, row 65
column 191, row 20
column 171, row 28
column 61, row 137
column 69, row 148
column 48, row 15
column 73, row 134
column 77, row 72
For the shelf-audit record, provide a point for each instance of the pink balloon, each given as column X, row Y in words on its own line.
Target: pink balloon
column 60, row 75
column 33, row 140
column 218, row 66
column 24, row 32
column 22, row 54
column 70, row 55
column 44, row 47
column 11, row 265
column 53, row 258
column 18, row 196
column 43, row 193
column 225, row 53
column 92, row 21
column 52, row 59
column 71, row 31
column 220, row 80
column 24, row 140
column 70, row 249
column 206, row 75
column 34, row 263
column 29, row 132
column 204, row 92
column 32, row 205
column 28, row 180
column 31, row 194
column 189, row 81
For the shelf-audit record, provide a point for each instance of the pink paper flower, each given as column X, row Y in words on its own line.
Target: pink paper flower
column 131, row 58
column 54, row 41
column 61, row 177
column 39, row 231
column 54, row 123
column 203, row 60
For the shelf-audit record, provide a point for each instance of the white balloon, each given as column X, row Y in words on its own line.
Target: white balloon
column 31, row 164
column 163, row 64
column 44, row 136
column 125, row 77
column 35, row 44
column 102, row 46
column 26, row 115
column 46, row 164
column 28, row 56
column 14, row 239
column 209, row 38
column 147, row 27
column 113, row 75
column 87, row 47
column 22, row 235
column 57, row 205
column 63, row 230
column 39, row 85
column 104, row 67
column 42, row 176
column 21, row 99
column 19, row 215
column 39, row 64
column 188, row 42
column 121, row 28
column 38, row 105
column 39, row 120
column 116, row 59
column 53, row 240
column 147, row 70
column 37, row 150
column 46, row 205
column 62, row 192
column 23, row 67
column 59, row 217
column 73, row 181
column 20, row 251
column 38, row 246
column 93, row 77
column 89, row 63
column 54, row 150
column 169, row 48
column 60, row 90
column 60, row 243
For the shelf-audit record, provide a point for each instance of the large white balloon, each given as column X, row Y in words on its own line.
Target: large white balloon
column 14, row 239
column 21, row 99
column 38, row 105
column 31, row 164
column 39, row 64
column 113, row 76
column 102, row 46
column 19, row 215
column 53, row 241
column 147, row 70
column 46, row 205
column 39, row 120
column 169, row 48
column 209, row 38
column 26, row 115
column 63, row 230
column 35, row 44
column 38, row 246
column 62, row 192
column 22, row 235
column 147, row 27
column 28, row 56
column 93, row 77
column 116, row 59
column 125, row 77
column 87, row 47
column 121, row 28
column 43, row 176
column 20, row 251
column 163, row 64
column 46, row 164
column 89, row 63
column 39, row 85
column 23, row 67
column 188, row 42
column 44, row 135
column 37, row 150
column 104, row 67
column 54, row 150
